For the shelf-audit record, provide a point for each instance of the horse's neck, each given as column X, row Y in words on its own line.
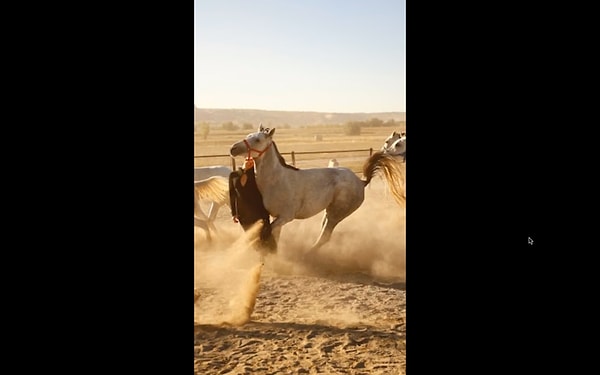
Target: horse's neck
column 268, row 169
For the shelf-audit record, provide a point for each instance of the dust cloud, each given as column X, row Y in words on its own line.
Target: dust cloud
column 366, row 247
column 228, row 276
column 370, row 242
column 243, row 304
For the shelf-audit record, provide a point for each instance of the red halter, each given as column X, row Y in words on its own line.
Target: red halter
column 250, row 149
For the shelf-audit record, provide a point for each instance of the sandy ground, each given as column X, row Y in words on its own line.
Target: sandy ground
column 339, row 311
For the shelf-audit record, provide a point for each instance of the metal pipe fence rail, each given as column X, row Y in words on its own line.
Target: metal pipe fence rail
column 292, row 154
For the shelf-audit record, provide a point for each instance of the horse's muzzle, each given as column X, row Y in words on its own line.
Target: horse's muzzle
column 237, row 149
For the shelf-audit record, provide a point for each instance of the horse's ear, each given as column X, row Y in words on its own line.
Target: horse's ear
column 260, row 128
column 394, row 134
column 271, row 132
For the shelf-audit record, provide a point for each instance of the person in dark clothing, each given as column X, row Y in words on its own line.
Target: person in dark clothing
column 247, row 206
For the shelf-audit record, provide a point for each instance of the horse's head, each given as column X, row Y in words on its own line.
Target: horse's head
column 389, row 141
column 255, row 144
column 398, row 147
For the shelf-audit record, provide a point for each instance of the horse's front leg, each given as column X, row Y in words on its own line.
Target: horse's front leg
column 277, row 224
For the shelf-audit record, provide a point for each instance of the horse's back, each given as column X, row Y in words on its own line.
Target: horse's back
column 202, row 173
column 334, row 188
column 322, row 178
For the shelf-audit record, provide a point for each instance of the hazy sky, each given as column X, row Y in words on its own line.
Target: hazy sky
column 302, row 55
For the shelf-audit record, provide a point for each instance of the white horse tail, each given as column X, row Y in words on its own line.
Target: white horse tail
column 392, row 171
column 214, row 188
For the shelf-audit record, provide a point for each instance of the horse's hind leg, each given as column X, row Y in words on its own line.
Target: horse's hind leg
column 212, row 214
column 324, row 220
column 202, row 223
column 334, row 214
column 327, row 227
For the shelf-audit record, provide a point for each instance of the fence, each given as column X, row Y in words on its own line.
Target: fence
column 293, row 155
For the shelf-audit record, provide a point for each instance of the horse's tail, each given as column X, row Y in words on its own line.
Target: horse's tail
column 393, row 172
column 214, row 188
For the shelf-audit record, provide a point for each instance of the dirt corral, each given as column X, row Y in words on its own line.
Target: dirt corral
column 339, row 311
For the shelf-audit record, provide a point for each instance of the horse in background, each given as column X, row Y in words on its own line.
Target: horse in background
column 203, row 173
column 389, row 141
column 394, row 148
column 290, row 193
column 215, row 189
column 395, row 145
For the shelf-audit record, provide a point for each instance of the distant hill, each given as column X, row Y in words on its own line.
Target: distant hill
column 292, row 118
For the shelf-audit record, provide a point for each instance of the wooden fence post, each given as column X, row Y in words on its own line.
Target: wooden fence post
column 233, row 163
column 293, row 158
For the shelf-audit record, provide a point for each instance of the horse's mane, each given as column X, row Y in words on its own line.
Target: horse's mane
column 281, row 159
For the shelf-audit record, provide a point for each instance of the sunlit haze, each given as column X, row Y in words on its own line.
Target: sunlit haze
column 324, row 56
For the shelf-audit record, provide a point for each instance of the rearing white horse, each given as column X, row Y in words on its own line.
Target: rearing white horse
column 290, row 193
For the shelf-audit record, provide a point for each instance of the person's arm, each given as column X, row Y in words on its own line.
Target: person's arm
column 233, row 178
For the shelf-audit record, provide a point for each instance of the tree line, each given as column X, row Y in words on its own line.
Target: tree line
column 349, row 128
